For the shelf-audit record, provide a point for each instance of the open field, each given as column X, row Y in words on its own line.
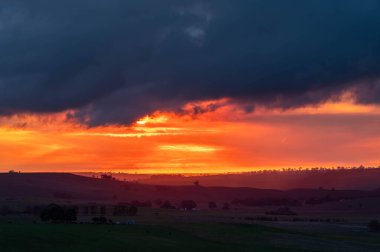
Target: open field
column 189, row 126
column 67, row 186
column 182, row 237
column 330, row 226
column 175, row 230
column 352, row 179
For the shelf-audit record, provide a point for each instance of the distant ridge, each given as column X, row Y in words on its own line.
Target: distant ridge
column 345, row 179
column 65, row 186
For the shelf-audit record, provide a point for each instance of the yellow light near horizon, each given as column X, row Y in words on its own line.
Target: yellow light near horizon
column 123, row 135
column 189, row 148
column 227, row 139
column 152, row 120
column 340, row 108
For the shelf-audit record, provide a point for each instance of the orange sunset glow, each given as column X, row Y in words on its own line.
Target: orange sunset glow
column 217, row 126
column 226, row 139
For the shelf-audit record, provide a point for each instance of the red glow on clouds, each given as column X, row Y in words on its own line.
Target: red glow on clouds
column 205, row 137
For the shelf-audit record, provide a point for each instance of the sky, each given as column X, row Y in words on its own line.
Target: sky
column 188, row 86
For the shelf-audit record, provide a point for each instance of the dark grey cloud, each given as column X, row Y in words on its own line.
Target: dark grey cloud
column 114, row 60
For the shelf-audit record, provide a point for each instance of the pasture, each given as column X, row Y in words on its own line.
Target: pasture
column 174, row 230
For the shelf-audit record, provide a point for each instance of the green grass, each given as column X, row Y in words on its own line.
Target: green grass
column 86, row 237
column 21, row 234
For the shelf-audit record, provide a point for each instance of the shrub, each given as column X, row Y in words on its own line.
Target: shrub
column 57, row 213
column 374, row 226
column 99, row 220
column 226, row 206
column 137, row 203
column 188, row 204
column 125, row 209
column 167, row 205
column 212, row 205
column 281, row 211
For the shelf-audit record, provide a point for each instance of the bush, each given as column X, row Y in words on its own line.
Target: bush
column 137, row 203
column 5, row 211
column 62, row 195
column 99, row 220
column 212, row 205
column 56, row 213
column 167, row 205
column 268, row 201
column 226, row 206
column 188, row 204
column 374, row 226
column 125, row 209
column 158, row 202
column 281, row 211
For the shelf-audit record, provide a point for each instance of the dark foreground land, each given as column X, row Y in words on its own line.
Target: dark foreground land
column 189, row 237
column 316, row 220
column 355, row 178
column 200, row 237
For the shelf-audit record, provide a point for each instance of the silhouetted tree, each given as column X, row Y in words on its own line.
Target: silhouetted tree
column 268, row 202
column 103, row 210
column 167, row 205
column 163, row 188
column 374, row 226
column 120, row 209
column 281, row 211
column 137, row 203
column 226, row 206
column 5, row 210
column 212, row 205
column 99, row 220
column 93, row 209
column 54, row 212
column 86, row 210
column 132, row 211
column 188, row 204
column 125, row 209
column 107, row 176
column 158, row 202
column 70, row 213
column 62, row 195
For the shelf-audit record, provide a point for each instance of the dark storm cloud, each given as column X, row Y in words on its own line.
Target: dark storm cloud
column 114, row 59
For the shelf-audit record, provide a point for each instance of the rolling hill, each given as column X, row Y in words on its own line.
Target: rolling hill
column 75, row 187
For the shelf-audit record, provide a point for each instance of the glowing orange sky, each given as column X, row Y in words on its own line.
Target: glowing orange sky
column 225, row 139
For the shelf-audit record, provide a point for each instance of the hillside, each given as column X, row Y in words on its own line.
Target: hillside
column 75, row 187
column 347, row 179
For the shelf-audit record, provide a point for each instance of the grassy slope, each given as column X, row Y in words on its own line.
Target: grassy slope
column 356, row 179
column 60, row 237
column 47, row 185
column 24, row 236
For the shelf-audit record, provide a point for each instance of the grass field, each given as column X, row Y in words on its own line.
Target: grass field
column 28, row 236
column 329, row 227
column 61, row 237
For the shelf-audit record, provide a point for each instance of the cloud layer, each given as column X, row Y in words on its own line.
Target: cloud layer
column 115, row 60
